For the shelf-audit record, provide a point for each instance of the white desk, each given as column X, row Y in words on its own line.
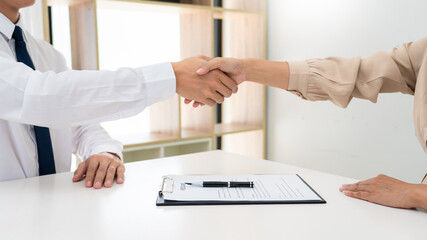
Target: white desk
column 52, row 207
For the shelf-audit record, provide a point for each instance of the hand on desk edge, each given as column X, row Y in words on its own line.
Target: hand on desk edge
column 388, row 191
column 100, row 170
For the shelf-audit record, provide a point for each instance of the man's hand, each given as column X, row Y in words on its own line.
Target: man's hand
column 383, row 190
column 209, row 89
column 100, row 169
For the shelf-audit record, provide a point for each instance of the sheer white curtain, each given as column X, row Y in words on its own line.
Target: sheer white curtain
column 33, row 19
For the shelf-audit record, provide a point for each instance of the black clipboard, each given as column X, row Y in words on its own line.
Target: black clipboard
column 162, row 202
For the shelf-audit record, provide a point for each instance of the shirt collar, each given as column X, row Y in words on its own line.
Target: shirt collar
column 7, row 27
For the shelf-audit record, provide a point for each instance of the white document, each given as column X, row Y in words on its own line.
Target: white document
column 284, row 187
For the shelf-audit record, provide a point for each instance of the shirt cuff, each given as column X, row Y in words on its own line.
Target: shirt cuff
column 298, row 78
column 117, row 149
column 160, row 82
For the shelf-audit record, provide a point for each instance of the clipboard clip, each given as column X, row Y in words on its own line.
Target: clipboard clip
column 166, row 181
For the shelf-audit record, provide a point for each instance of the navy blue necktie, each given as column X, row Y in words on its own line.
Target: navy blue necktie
column 44, row 144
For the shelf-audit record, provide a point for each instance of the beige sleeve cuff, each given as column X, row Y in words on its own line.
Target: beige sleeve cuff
column 298, row 78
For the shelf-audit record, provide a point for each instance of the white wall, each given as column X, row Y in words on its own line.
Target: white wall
column 365, row 139
column 33, row 19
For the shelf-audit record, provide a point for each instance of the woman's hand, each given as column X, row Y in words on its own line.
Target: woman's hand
column 233, row 67
column 211, row 88
column 383, row 190
column 269, row 73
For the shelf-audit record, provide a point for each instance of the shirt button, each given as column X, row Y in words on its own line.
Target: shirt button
column 116, row 116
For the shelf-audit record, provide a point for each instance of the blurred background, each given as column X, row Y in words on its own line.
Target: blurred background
column 360, row 142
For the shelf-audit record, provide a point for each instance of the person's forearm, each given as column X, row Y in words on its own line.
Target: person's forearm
column 75, row 98
column 274, row 74
column 419, row 196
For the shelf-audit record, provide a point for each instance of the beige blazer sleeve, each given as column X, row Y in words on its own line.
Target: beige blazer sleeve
column 340, row 79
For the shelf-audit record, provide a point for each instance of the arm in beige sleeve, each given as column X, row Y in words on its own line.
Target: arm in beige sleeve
column 340, row 79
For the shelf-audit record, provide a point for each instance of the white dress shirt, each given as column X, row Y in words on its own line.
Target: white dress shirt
column 70, row 103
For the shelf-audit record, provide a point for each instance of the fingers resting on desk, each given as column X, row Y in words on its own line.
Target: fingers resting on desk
column 383, row 190
column 100, row 170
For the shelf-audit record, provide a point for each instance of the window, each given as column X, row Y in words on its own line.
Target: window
column 134, row 38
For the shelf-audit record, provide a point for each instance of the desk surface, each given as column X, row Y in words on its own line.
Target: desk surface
column 52, row 207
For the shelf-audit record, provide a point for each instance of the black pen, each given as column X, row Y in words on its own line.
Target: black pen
column 230, row 184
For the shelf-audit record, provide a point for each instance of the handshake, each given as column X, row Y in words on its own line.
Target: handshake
column 207, row 81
